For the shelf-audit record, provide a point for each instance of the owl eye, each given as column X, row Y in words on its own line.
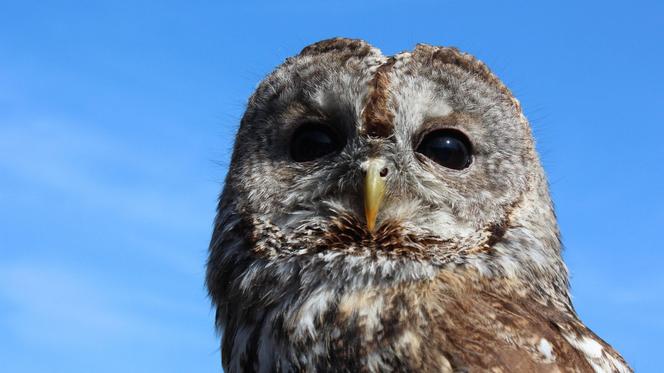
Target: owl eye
column 312, row 141
column 448, row 148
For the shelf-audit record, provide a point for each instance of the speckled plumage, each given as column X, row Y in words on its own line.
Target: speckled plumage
column 463, row 272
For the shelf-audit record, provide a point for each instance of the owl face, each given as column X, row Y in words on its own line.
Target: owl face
column 428, row 144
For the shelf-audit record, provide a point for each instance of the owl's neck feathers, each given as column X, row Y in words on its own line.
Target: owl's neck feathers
column 314, row 309
column 269, row 284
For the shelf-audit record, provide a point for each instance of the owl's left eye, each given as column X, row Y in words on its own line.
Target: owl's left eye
column 449, row 148
column 313, row 141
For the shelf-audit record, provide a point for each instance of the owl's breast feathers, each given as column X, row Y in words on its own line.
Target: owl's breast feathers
column 321, row 311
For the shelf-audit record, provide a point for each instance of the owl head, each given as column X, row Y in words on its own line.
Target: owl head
column 372, row 168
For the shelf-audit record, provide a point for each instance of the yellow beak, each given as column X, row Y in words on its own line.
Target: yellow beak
column 374, row 190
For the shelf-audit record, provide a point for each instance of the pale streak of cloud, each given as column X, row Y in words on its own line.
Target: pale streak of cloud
column 80, row 162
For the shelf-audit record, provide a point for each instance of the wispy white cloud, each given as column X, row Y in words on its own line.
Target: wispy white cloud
column 144, row 185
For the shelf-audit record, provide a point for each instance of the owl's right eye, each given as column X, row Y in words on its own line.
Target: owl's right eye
column 313, row 141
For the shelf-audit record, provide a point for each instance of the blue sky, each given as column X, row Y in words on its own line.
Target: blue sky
column 117, row 118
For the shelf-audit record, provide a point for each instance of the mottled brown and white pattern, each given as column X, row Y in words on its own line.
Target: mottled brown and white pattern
column 463, row 271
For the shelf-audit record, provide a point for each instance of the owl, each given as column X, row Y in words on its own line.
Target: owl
column 390, row 214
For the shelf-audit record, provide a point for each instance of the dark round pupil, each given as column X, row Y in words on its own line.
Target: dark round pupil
column 449, row 149
column 310, row 143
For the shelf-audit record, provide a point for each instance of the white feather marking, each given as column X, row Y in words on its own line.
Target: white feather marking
column 312, row 308
column 545, row 348
column 590, row 347
column 438, row 108
column 597, row 357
